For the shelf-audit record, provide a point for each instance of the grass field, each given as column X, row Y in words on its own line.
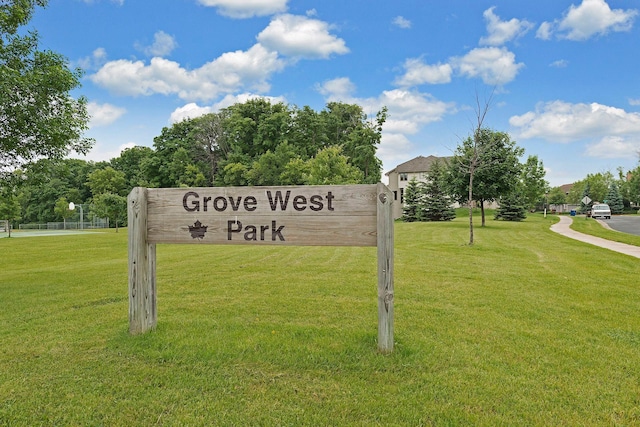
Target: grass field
column 582, row 224
column 526, row 327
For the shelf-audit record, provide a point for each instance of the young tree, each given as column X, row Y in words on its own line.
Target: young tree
column 111, row 206
column 62, row 210
column 412, row 208
column 39, row 117
column 468, row 160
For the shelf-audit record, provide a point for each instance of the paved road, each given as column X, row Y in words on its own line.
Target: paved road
column 563, row 227
column 625, row 223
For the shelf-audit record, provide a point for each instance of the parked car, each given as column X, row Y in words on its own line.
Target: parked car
column 601, row 210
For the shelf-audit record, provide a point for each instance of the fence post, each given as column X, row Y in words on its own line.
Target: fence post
column 142, row 266
column 385, row 269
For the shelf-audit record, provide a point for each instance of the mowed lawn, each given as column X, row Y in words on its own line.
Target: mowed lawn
column 526, row 327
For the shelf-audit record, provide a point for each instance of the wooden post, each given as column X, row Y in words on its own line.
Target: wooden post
column 142, row 266
column 385, row 269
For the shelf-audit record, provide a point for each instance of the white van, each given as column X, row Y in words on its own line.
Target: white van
column 601, row 210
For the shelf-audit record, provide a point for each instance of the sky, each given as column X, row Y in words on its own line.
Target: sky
column 562, row 77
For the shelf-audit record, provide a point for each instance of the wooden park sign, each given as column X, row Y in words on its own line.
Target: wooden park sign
column 345, row 215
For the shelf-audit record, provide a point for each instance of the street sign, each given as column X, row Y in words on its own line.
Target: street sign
column 586, row 200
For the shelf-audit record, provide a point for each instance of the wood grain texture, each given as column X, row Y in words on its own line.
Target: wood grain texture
column 142, row 265
column 294, row 215
column 385, row 269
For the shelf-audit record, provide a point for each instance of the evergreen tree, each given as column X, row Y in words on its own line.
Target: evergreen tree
column 412, row 209
column 436, row 203
column 511, row 208
column 614, row 199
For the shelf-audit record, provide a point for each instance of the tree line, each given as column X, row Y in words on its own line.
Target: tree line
column 252, row 143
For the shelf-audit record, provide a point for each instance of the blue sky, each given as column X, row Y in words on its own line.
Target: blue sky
column 562, row 77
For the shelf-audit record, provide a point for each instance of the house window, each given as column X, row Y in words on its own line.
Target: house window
column 403, row 177
column 395, row 195
column 402, row 195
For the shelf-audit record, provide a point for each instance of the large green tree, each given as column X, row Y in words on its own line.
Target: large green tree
column 38, row 117
column 107, row 180
column 533, row 185
column 485, row 167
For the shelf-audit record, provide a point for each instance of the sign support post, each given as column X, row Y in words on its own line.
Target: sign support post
column 385, row 269
column 142, row 266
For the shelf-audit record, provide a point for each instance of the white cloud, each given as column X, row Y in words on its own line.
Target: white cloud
column 337, row 89
column 247, row 8
column 301, row 37
column 614, row 147
column 189, row 111
column 393, row 148
column 231, row 72
column 495, row 66
column 561, row 63
column 560, row 121
column 410, row 110
column 401, row 22
column 634, row 102
column 103, row 114
column 590, row 18
column 417, row 73
column 501, row 32
column 193, row 110
column 545, row 30
column 96, row 60
column 163, row 45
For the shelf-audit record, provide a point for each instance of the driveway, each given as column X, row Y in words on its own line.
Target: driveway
column 629, row 224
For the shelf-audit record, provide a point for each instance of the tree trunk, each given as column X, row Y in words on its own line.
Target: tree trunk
column 482, row 210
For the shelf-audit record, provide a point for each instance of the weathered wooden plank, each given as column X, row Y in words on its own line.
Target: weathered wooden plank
column 385, row 269
column 142, row 266
column 264, row 230
column 294, row 215
column 309, row 200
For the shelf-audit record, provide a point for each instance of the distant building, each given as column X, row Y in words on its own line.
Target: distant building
column 566, row 188
column 416, row 168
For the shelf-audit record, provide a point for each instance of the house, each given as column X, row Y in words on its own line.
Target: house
column 399, row 177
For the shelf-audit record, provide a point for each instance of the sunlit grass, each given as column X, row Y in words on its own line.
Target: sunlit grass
column 526, row 327
column 592, row 227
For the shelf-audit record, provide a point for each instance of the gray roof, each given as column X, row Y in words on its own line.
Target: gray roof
column 418, row 164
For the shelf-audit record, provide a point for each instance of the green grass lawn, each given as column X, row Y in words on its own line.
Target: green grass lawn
column 526, row 327
column 591, row 226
